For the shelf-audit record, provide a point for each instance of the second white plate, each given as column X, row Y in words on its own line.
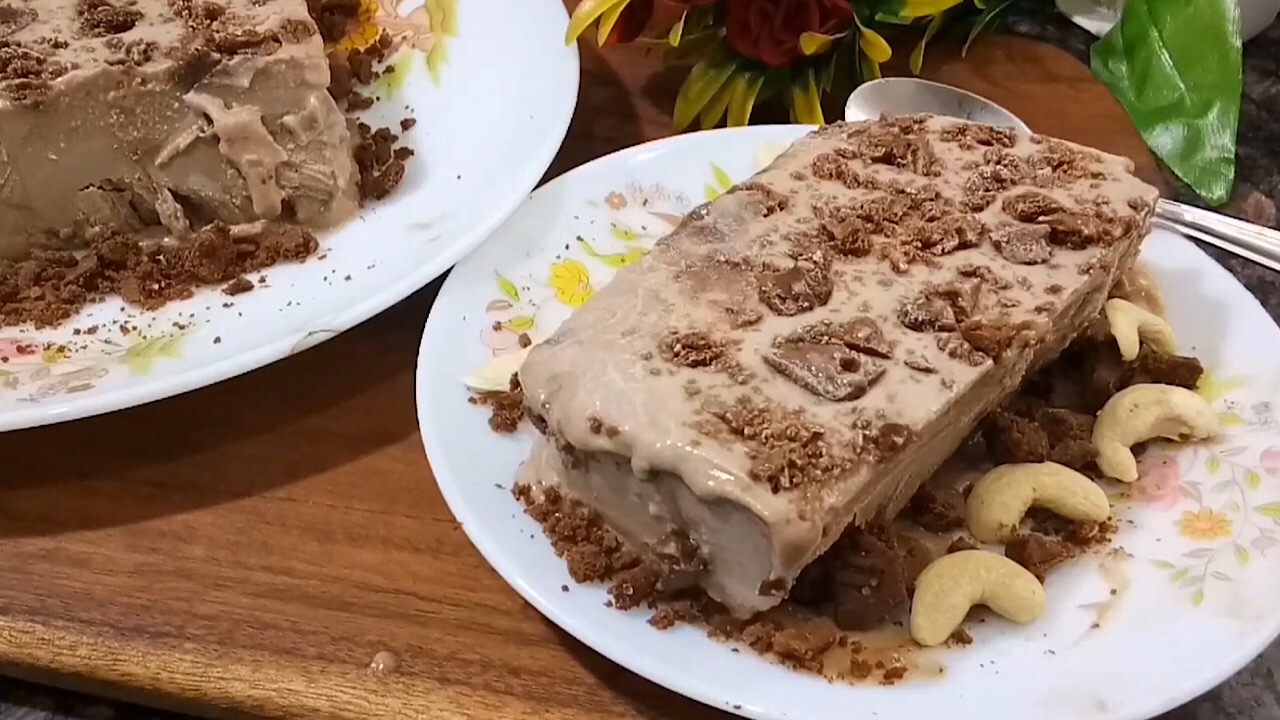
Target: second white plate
column 488, row 125
column 1204, row 538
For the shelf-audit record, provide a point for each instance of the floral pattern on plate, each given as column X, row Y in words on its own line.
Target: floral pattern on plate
column 422, row 27
column 1222, row 497
column 1115, row 640
column 32, row 372
column 639, row 215
column 479, row 148
column 1219, row 521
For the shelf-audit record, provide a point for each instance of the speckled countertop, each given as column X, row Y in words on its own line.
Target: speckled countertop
column 1253, row 693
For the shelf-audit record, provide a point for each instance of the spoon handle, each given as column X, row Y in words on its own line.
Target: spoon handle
column 1255, row 242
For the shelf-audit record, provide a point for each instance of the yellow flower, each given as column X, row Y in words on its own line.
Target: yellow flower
column 365, row 31
column 55, row 354
column 571, row 282
column 1204, row 525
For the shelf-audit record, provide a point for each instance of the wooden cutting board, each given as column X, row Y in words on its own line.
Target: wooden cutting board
column 251, row 547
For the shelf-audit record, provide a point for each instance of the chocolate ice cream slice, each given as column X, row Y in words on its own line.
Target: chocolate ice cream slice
column 168, row 113
column 803, row 352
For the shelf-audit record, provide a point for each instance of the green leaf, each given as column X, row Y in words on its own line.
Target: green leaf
column 436, row 59
column 1242, row 555
column 699, row 20
column 1162, row 564
column 519, row 323
column 710, row 192
column 623, row 233
column 699, row 88
column 677, row 30
column 607, row 21
column 805, row 100
column 868, row 68
column 444, row 16
column 1176, row 68
column 142, row 355
column 893, row 19
column 1230, row 418
column 1197, row 597
column 1252, row 479
column 983, row 23
column 814, row 43
column 917, row 55
column 874, row 45
column 925, row 8
column 1270, row 510
column 1180, row 574
column 507, row 288
column 722, row 178
column 711, row 113
column 1213, row 464
column 746, row 88
column 693, row 46
column 826, row 73
column 587, row 12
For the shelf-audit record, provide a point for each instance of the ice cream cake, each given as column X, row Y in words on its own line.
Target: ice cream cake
column 802, row 352
column 127, row 114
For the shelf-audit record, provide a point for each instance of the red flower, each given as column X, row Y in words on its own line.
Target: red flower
column 770, row 30
column 636, row 15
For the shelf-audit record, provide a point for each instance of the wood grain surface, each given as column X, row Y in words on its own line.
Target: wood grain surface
column 249, row 548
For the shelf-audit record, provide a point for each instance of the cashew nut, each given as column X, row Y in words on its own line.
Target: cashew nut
column 954, row 583
column 1001, row 497
column 1143, row 412
column 1132, row 325
column 495, row 375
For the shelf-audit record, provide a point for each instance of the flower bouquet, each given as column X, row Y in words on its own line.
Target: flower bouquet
column 746, row 51
column 1174, row 64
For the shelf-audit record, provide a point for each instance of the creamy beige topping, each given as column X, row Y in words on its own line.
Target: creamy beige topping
column 806, row 350
column 126, row 115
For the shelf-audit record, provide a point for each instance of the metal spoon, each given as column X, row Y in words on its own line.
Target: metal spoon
column 901, row 96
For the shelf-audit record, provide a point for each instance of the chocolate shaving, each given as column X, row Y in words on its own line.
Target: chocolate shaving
column 804, row 286
column 99, row 18
column 785, row 448
column 1022, row 244
column 13, row 19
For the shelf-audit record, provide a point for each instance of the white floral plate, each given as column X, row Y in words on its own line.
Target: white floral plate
column 492, row 87
column 1204, row 571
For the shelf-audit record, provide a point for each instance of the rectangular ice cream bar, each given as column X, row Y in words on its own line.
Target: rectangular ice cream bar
column 801, row 353
column 125, row 114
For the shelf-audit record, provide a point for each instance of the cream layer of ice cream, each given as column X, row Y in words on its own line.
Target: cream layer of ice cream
column 129, row 114
column 803, row 352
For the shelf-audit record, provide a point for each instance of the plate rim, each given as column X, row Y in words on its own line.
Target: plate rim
column 195, row 378
column 617, row 650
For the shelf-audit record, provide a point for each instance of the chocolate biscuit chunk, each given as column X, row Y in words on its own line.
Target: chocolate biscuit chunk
column 1014, row 439
column 1038, row 553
